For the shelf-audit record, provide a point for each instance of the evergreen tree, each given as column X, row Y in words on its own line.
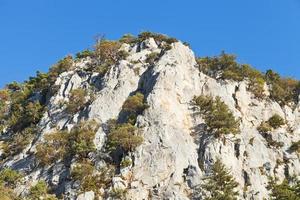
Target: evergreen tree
column 220, row 184
column 284, row 191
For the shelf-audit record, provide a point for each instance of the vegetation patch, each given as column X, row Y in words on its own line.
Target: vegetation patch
column 152, row 57
column 84, row 54
column 217, row 116
column 284, row 190
column 134, row 106
column 266, row 127
column 9, row 180
column 91, row 179
column 78, row 142
column 40, row 191
column 124, row 136
column 283, row 90
column 295, row 147
column 106, row 51
column 219, row 184
column 77, row 101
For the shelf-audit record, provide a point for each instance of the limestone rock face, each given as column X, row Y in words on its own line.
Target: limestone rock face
column 167, row 164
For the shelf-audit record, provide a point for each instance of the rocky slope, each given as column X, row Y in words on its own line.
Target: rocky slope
column 177, row 151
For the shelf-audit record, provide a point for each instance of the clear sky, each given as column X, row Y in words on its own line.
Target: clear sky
column 34, row 34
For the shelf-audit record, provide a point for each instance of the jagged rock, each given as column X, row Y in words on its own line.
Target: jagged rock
column 119, row 183
column 176, row 144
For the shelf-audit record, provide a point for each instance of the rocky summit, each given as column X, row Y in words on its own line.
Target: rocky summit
column 144, row 118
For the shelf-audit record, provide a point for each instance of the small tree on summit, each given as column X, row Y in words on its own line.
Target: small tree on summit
column 219, row 184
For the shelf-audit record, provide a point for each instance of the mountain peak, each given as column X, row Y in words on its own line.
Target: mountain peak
column 143, row 118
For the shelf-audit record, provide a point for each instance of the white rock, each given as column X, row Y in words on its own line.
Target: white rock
column 86, row 196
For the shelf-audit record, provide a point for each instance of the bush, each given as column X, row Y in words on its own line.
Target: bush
column 276, row 121
column 124, row 136
column 159, row 38
column 273, row 123
column 63, row 65
column 91, row 179
column 134, row 106
column 54, row 148
column 128, row 38
column 77, row 101
column 57, row 146
column 220, row 184
column 295, row 147
column 282, row 90
column 84, row 54
column 40, row 191
column 122, row 55
column 152, row 57
column 217, row 115
column 81, row 139
column 33, row 112
column 126, row 162
column 264, row 127
column 107, row 51
column 9, row 177
column 225, row 67
column 284, row 191
column 204, row 103
column 19, row 142
column 82, row 170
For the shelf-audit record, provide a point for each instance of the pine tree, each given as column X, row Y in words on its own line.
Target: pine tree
column 220, row 184
column 284, row 191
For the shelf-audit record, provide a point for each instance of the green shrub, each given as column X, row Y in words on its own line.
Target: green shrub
column 40, row 191
column 82, row 170
column 81, row 138
column 102, row 69
column 89, row 178
column 122, row 55
column 264, row 127
column 217, row 115
column 220, row 184
column 152, row 57
column 276, row 121
column 273, row 123
column 107, row 51
column 54, row 148
column 126, row 162
column 9, row 177
column 124, row 136
column 205, row 103
column 271, row 142
column 33, row 112
column 295, row 147
column 19, row 141
column 63, row 65
column 59, row 145
column 284, row 191
column 282, row 90
column 128, row 38
column 84, row 54
column 134, row 106
column 225, row 67
column 159, row 38
column 77, row 101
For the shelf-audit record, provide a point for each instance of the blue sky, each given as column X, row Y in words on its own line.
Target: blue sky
column 34, row 34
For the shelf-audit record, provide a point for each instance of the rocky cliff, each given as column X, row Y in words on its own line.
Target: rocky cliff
column 177, row 150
